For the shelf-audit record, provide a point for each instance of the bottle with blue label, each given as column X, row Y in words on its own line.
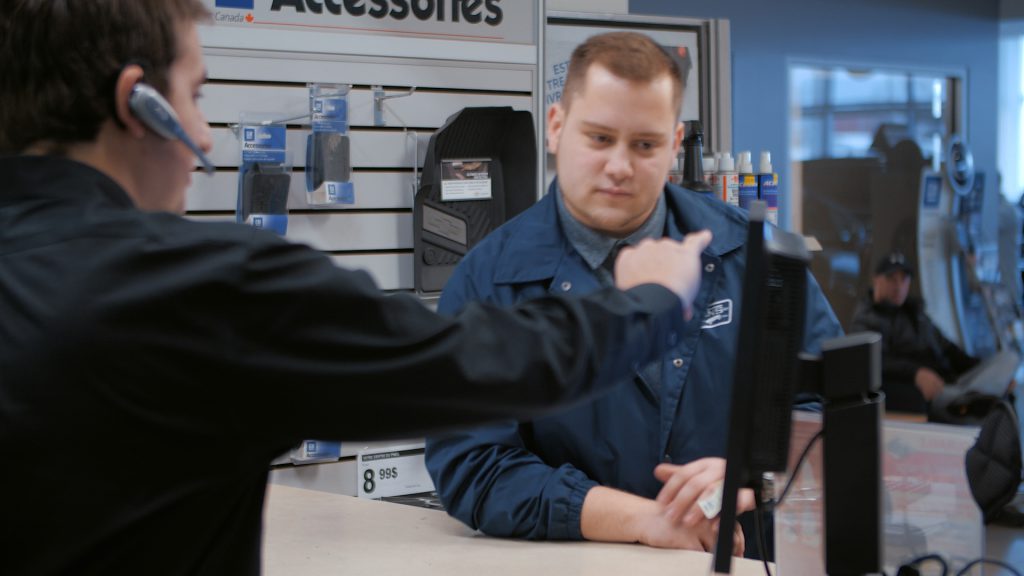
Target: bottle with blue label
column 748, row 180
column 768, row 187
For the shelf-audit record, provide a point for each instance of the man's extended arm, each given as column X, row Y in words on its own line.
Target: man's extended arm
column 333, row 339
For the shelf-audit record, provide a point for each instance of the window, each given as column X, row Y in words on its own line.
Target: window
column 836, row 112
column 848, row 152
column 1011, row 114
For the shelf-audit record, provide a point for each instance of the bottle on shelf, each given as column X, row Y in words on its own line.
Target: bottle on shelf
column 693, row 158
column 727, row 181
column 768, row 187
column 747, row 180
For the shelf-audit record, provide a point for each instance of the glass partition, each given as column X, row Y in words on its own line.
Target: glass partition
column 851, row 126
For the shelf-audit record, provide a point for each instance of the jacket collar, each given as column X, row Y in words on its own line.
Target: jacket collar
column 911, row 305
column 57, row 178
column 537, row 245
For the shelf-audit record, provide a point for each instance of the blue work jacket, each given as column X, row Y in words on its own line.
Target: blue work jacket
column 529, row 479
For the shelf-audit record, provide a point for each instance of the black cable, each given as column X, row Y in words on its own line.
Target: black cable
column 992, row 561
column 796, row 468
column 762, row 545
column 911, row 568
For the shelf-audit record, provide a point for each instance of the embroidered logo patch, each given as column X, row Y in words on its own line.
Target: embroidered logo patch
column 718, row 314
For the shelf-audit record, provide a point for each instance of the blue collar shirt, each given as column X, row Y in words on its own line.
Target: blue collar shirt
column 529, row 479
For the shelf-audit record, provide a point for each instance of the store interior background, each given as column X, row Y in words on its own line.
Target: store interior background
column 978, row 43
column 973, row 40
column 767, row 37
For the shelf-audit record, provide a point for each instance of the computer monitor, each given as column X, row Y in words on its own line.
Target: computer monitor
column 767, row 370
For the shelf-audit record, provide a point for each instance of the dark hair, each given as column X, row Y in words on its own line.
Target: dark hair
column 629, row 55
column 60, row 59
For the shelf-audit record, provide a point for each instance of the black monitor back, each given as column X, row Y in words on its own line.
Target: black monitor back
column 776, row 356
column 767, row 369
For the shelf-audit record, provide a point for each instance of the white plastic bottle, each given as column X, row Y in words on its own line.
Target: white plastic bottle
column 727, row 181
column 710, row 165
column 747, row 180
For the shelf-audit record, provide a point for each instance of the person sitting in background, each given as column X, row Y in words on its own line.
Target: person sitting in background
column 917, row 359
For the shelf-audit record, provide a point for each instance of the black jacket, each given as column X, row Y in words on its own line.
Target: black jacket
column 151, row 367
column 909, row 341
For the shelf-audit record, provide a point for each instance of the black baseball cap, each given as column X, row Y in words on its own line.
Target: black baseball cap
column 892, row 262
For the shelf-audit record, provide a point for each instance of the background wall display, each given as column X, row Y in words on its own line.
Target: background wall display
column 405, row 83
column 699, row 46
column 407, row 76
column 682, row 43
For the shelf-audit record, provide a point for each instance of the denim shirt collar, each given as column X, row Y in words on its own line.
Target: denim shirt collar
column 593, row 246
column 541, row 246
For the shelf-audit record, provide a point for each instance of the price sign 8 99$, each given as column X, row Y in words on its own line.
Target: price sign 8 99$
column 392, row 471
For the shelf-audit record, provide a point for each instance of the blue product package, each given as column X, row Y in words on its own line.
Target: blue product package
column 329, row 169
column 263, row 179
column 748, row 190
column 311, row 451
column 264, row 143
column 328, row 150
column 768, row 191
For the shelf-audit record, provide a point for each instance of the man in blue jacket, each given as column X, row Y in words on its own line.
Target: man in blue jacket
column 630, row 465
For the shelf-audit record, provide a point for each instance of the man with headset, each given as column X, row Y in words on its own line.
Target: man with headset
column 151, row 367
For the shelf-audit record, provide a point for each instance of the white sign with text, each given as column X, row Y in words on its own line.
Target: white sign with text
column 392, row 471
column 499, row 21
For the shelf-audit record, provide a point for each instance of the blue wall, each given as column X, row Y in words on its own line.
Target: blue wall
column 767, row 34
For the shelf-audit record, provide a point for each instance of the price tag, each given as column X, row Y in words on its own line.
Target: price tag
column 392, row 471
column 466, row 179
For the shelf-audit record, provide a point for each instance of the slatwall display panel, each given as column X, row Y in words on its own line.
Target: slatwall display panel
column 302, row 68
column 389, row 190
column 422, row 109
column 356, row 231
column 375, row 232
column 370, row 148
column 391, row 271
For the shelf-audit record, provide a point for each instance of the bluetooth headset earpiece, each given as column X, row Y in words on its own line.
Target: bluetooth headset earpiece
column 156, row 113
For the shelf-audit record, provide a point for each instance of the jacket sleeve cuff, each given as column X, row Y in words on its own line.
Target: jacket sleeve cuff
column 659, row 297
column 577, row 494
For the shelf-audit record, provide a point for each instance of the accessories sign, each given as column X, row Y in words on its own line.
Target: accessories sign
column 502, row 21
